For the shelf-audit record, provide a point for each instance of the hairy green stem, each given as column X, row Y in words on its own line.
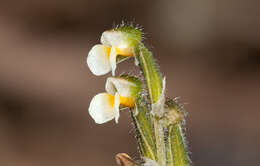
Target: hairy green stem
column 145, row 135
column 154, row 84
column 160, row 143
column 173, row 151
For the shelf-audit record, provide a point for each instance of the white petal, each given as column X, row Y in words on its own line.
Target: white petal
column 101, row 108
column 120, row 85
column 112, row 59
column 116, row 107
column 98, row 60
column 113, row 38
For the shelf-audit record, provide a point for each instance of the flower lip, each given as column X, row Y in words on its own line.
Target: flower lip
column 98, row 60
column 101, row 108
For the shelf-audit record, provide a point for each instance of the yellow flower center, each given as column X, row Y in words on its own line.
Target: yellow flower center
column 124, row 51
column 119, row 51
column 108, row 49
column 111, row 99
column 125, row 101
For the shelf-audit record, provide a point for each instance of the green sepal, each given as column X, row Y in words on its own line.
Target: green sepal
column 133, row 35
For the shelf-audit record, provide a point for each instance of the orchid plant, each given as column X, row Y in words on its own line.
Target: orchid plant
column 159, row 121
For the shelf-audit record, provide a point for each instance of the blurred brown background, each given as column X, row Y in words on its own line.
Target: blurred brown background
column 208, row 49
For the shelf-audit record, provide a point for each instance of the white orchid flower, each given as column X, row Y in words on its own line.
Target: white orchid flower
column 102, row 58
column 120, row 91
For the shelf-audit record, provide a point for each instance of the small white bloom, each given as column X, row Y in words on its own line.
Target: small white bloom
column 101, row 108
column 103, row 58
column 105, row 106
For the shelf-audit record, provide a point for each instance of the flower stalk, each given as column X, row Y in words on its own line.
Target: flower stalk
column 158, row 121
